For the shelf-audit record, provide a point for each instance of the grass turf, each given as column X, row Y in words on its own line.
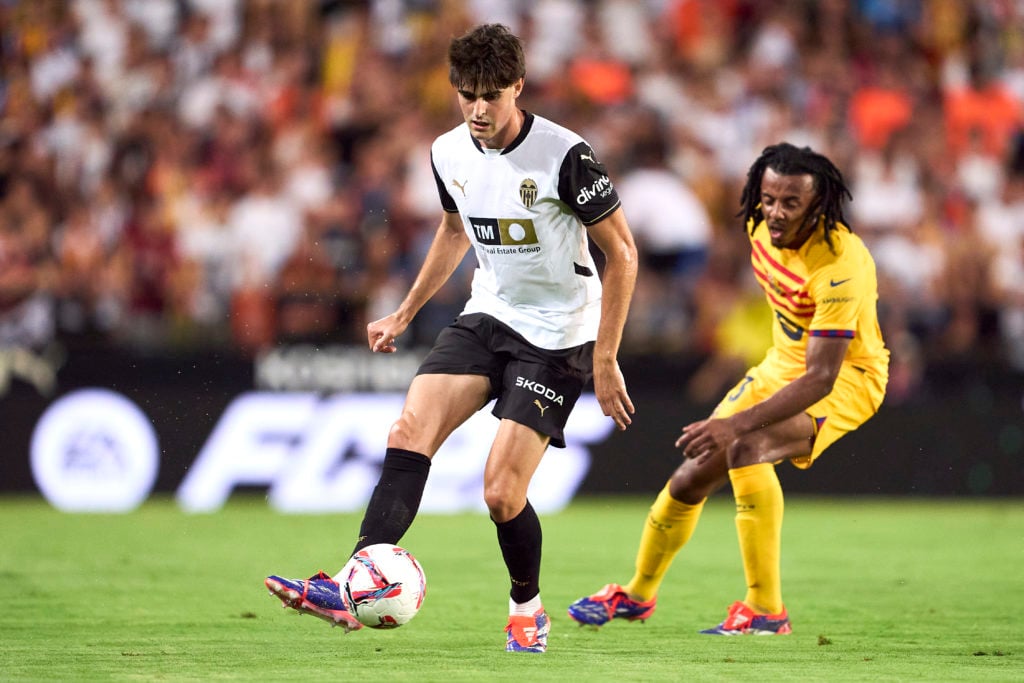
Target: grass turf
column 879, row 590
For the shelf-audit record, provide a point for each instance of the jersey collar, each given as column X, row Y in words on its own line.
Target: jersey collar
column 523, row 132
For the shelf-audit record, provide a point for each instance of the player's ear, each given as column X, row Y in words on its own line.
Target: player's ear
column 817, row 211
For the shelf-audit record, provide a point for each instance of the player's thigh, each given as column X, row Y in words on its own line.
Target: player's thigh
column 790, row 438
column 697, row 478
column 435, row 406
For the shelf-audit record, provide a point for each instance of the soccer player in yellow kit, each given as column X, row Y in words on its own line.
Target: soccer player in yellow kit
column 824, row 376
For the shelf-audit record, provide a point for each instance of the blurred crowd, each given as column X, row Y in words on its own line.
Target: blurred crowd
column 241, row 174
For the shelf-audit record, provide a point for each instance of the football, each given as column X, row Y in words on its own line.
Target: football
column 383, row 585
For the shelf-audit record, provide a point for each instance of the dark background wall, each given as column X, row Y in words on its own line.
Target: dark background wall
column 963, row 433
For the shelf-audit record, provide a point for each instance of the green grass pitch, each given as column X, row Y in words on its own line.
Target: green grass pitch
column 878, row 590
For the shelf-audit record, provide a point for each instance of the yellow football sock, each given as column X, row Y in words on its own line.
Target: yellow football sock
column 759, row 507
column 667, row 529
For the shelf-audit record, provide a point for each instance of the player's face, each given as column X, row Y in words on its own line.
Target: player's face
column 492, row 116
column 790, row 208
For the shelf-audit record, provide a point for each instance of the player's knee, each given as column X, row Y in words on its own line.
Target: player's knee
column 405, row 433
column 502, row 504
column 685, row 492
column 694, row 481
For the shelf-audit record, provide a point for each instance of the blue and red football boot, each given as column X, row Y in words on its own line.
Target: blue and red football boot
column 742, row 621
column 611, row 602
column 528, row 634
column 318, row 595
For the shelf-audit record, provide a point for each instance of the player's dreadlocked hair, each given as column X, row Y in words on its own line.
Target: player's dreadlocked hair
column 489, row 57
column 787, row 159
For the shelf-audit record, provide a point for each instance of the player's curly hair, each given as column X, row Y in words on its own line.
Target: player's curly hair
column 787, row 159
column 488, row 57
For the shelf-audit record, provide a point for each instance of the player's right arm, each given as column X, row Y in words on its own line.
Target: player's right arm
column 446, row 253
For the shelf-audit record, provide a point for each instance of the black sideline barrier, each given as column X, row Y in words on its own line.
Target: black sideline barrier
column 962, row 434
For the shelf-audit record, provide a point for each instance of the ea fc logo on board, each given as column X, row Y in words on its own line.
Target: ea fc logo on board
column 93, row 450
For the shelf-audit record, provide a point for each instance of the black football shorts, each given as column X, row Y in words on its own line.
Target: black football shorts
column 535, row 387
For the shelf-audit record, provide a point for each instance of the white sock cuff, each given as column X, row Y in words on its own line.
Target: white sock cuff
column 525, row 609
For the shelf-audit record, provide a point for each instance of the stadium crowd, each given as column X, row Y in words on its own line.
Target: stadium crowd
column 176, row 174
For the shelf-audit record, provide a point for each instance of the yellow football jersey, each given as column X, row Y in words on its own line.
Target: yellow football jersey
column 818, row 291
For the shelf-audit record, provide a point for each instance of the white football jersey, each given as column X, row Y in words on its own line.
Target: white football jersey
column 524, row 208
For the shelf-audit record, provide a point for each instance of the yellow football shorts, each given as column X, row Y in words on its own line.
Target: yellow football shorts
column 854, row 399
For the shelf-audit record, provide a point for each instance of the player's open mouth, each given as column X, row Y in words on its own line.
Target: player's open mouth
column 479, row 125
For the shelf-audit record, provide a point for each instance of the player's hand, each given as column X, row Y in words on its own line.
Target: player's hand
column 381, row 334
column 610, row 388
column 701, row 440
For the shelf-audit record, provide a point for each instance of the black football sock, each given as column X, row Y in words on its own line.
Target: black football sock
column 395, row 499
column 520, row 541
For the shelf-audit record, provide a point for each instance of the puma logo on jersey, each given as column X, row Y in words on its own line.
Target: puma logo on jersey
column 540, row 407
column 461, row 186
column 589, row 157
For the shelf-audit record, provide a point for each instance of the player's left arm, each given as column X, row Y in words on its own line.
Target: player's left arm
column 824, row 360
column 613, row 237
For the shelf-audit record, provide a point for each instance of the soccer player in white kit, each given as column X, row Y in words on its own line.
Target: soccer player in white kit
column 526, row 195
